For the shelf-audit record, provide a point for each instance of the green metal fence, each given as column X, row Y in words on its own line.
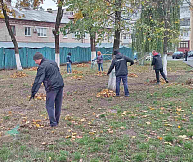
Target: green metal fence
column 79, row 55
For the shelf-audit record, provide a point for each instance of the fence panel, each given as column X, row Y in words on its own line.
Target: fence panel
column 127, row 52
column 79, row 54
column 2, row 58
column 23, row 57
column 10, row 62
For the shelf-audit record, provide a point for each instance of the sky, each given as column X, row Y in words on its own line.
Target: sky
column 45, row 5
column 49, row 4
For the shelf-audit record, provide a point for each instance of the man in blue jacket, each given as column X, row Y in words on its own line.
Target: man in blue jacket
column 158, row 67
column 121, row 71
column 48, row 73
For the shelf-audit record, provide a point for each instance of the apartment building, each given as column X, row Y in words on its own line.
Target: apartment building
column 184, row 27
column 36, row 26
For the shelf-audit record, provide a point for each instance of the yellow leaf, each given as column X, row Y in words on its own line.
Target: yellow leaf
column 74, row 134
column 68, row 137
column 82, row 120
column 148, row 123
column 179, row 126
column 37, row 125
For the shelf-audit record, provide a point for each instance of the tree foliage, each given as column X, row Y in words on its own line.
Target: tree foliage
column 158, row 27
column 104, row 17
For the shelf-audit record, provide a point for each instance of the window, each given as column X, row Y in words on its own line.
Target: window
column 42, row 32
column 185, row 22
column 73, row 35
column 86, row 36
column 13, row 29
column 27, row 31
column 183, row 45
column 53, row 32
column 65, row 36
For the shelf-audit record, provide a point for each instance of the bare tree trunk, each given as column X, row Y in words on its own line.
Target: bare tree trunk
column 117, row 24
column 18, row 62
column 56, row 32
column 112, row 77
column 166, row 7
column 92, row 45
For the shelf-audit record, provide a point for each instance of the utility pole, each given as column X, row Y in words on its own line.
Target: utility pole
column 191, row 25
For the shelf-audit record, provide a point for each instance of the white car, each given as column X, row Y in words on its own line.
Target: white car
column 148, row 58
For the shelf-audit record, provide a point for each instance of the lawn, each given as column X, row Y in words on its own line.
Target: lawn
column 154, row 124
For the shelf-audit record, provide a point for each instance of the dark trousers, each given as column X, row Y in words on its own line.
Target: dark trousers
column 53, row 105
column 186, row 57
column 157, row 71
column 118, row 81
column 100, row 66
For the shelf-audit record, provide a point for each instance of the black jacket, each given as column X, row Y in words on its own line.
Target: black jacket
column 48, row 73
column 157, row 62
column 120, row 64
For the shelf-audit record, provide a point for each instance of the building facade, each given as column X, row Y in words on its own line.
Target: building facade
column 184, row 43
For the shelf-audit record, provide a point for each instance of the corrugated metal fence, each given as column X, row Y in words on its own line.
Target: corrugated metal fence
column 7, row 56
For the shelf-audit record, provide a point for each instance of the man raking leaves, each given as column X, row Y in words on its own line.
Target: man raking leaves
column 48, row 73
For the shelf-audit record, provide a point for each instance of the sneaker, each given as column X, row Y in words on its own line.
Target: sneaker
column 126, row 95
column 117, row 96
column 158, row 83
column 167, row 81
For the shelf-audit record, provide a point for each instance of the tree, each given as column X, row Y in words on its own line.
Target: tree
column 88, row 17
column 57, row 32
column 6, row 17
column 158, row 28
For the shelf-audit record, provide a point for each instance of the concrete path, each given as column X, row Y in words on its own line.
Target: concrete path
column 189, row 62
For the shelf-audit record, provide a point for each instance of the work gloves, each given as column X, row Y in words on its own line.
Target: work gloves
column 131, row 63
column 32, row 96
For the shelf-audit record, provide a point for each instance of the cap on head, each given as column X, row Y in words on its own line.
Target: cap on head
column 69, row 54
column 38, row 56
column 99, row 52
column 115, row 52
column 154, row 52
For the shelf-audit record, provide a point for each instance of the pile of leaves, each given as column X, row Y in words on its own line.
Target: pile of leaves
column 106, row 93
column 82, row 65
column 33, row 69
column 100, row 73
column 39, row 96
column 155, row 81
column 31, row 124
column 78, row 77
column 19, row 74
column 77, row 72
column 133, row 75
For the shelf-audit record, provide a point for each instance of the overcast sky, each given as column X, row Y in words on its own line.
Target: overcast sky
column 45, row 5
column 49, row 4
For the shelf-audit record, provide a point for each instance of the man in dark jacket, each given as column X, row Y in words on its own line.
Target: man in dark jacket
column 48, row 73
column 186, row 55
column 158, row 67
column 69, row 62
column 121, row 71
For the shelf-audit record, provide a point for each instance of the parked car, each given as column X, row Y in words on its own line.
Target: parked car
column 177, row 55
column 190, row 53
column 149, row 57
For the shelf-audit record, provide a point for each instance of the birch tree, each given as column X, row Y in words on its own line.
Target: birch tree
column 158, row 28
column 57, row 32
column 5, row 9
